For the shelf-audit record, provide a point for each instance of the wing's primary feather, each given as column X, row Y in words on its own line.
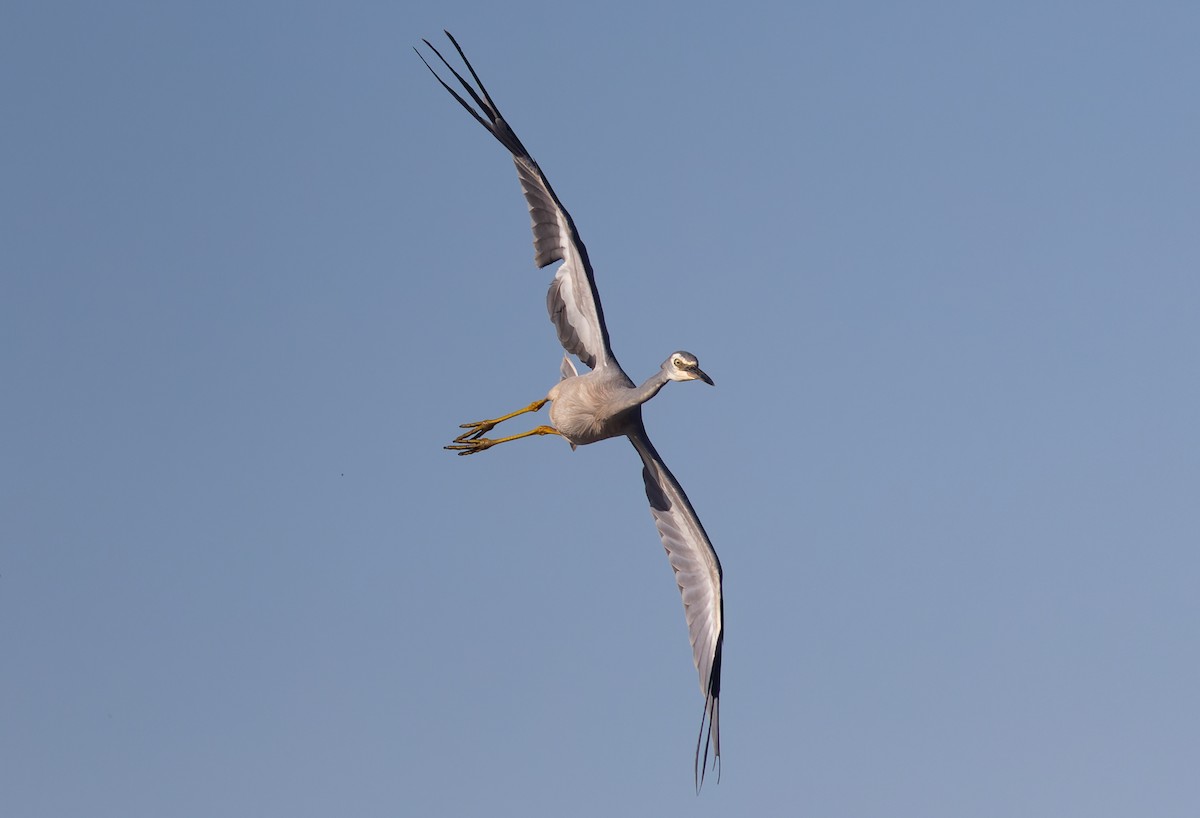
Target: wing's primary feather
column 698, row 574
column 573, row 302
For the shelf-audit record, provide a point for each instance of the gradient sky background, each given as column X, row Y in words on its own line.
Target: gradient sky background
column 942, row 260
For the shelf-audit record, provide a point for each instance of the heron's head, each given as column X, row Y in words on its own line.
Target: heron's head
column 683, row 366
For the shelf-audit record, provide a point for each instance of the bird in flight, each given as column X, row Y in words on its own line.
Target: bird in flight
column 603, row 402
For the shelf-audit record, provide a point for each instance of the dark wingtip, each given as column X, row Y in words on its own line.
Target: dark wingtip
column 711, row 739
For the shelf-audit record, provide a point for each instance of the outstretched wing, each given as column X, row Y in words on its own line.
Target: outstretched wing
column 573, row 302
column 698, row 574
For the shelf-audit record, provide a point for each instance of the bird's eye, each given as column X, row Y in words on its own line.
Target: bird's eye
column 679, row 363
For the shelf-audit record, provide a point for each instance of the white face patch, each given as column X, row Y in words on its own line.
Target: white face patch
column 683, row 366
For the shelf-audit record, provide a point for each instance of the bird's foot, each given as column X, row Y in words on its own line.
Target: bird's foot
column 464, row 444
column 475, row 430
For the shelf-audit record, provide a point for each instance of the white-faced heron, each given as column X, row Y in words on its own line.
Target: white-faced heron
column 605, row 403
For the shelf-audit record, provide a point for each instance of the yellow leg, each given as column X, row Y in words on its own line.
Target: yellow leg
column 464, row 445
column 482, row 427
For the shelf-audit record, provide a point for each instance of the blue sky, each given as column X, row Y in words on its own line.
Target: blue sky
column 942, row 261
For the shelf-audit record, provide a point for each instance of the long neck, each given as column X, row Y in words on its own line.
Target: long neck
column 649, row 389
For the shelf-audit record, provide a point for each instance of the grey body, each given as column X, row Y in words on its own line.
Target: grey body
column 601, row 404
column 604, row 402
column 592, row 407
